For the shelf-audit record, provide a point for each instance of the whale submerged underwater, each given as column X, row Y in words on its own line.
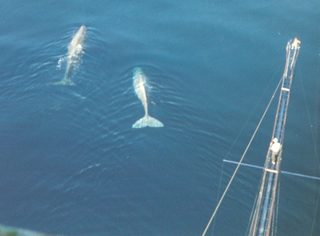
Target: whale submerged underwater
column 139, row 81
column 75, row 51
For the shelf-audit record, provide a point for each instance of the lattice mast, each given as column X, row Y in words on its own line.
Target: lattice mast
column 262, row 217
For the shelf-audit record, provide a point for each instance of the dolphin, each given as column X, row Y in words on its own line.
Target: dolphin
column 74, row 53
column 139, row 81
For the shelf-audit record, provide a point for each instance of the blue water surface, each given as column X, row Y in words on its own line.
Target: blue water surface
column 70, row 161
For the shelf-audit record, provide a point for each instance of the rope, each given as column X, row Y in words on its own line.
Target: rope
column 234, row 173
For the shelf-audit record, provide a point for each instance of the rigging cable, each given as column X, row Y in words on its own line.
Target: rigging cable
column 218, row 193
column 316, row 141
column 315, row 149
column 234, row 173
column 253, row 212
column 277, row 208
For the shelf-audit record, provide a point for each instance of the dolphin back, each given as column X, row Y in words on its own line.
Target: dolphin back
column 147, row 121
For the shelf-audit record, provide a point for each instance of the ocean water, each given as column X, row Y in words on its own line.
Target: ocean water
column 70, row 161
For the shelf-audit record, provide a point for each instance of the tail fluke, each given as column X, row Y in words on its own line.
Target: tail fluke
column 63, row 82
column 147, row 121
